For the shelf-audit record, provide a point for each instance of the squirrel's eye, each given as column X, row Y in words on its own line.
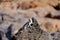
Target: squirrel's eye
column 31, row 24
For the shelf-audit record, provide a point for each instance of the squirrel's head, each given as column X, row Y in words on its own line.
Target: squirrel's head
column 33, row 22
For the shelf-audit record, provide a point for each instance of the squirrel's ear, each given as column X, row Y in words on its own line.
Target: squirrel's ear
column 30, row 21
column 34, row 20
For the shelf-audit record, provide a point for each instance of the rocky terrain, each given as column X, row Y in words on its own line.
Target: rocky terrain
column 15, row 16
